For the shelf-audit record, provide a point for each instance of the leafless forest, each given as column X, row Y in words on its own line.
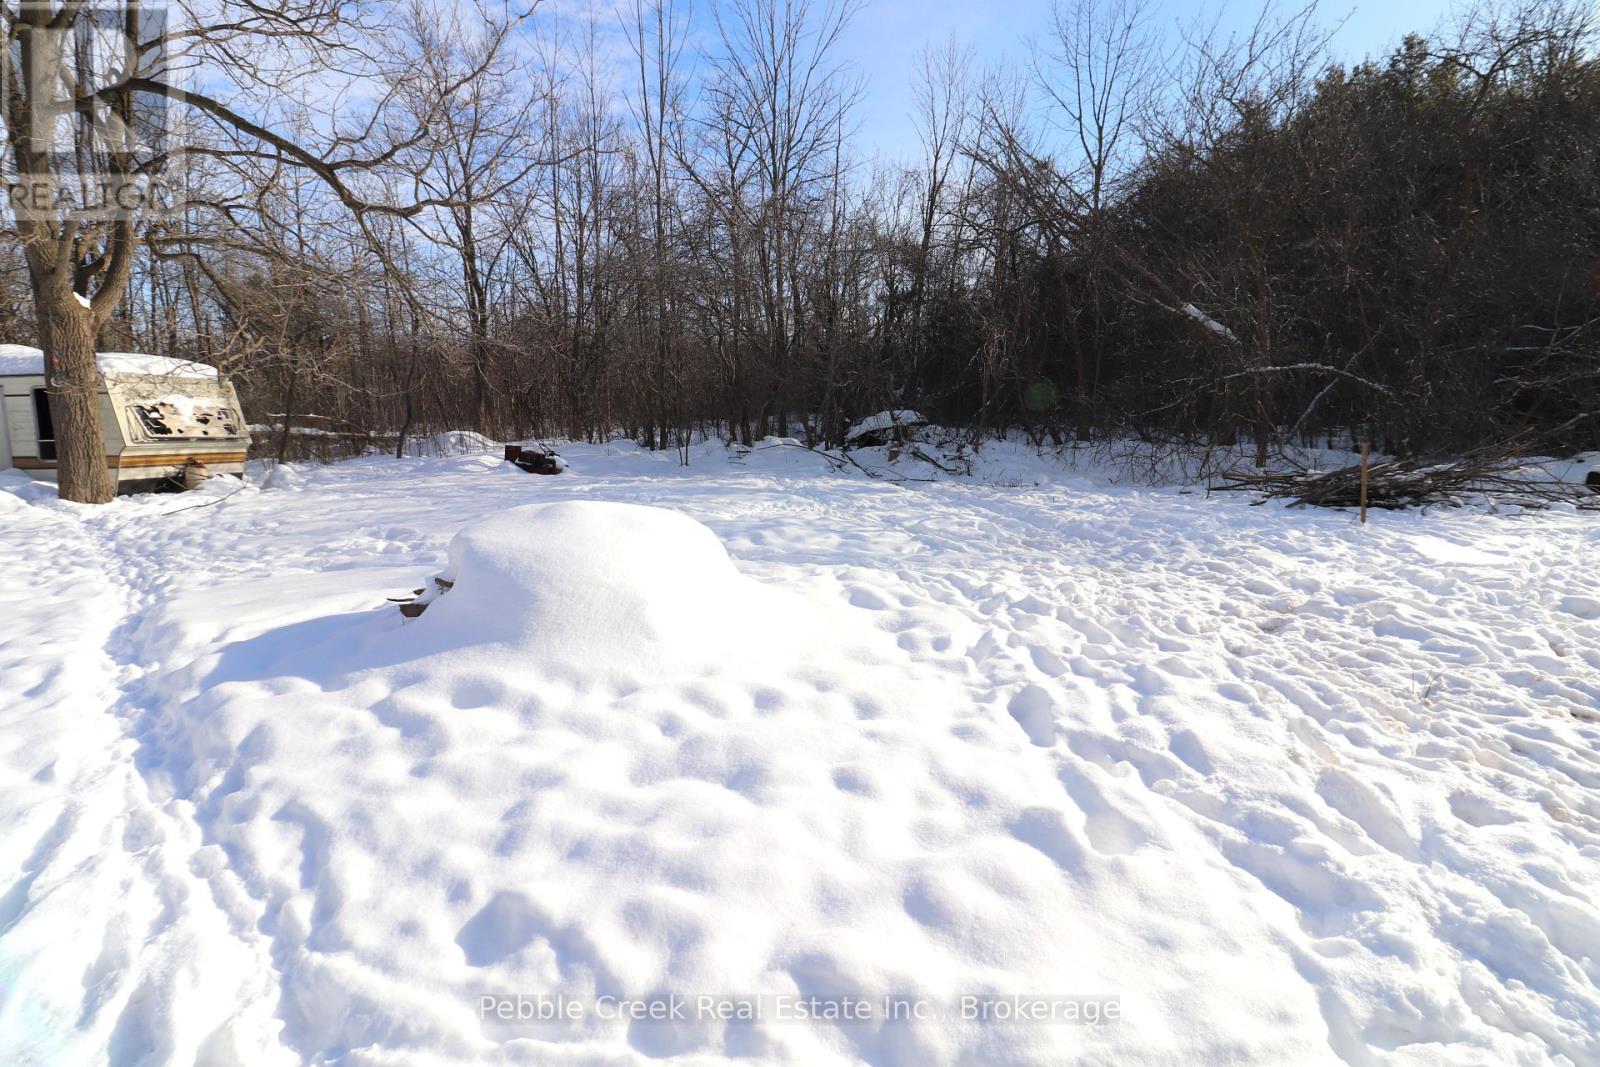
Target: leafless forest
column 408, row 217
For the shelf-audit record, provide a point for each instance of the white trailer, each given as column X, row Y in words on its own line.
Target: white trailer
column 165, row 421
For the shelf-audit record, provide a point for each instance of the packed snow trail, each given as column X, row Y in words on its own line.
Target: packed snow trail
column 119, row 937
column 1292, row 789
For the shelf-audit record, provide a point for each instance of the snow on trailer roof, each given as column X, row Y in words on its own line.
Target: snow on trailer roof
column 24, row 359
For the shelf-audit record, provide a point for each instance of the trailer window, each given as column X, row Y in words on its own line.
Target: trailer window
column 182, row 418
column 47, row 428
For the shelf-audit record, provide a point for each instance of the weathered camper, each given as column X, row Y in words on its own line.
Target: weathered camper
column 166, row 421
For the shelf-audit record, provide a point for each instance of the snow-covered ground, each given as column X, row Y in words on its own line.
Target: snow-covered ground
column 1256, row 785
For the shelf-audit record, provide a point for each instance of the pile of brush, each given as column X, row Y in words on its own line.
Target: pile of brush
column 1502, row 472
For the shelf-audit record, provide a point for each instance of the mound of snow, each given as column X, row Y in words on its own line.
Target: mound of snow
column 15, row 484
column 450, row 443
column 588, row 585
column 284, row 476
column 13, row 487
column 882, row 421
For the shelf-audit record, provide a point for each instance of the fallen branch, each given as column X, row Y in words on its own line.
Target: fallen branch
column 838, row 461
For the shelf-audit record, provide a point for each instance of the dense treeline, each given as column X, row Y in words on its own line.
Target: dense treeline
column 1229, row 240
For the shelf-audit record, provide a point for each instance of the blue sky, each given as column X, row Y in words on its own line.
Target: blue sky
column 887, row 34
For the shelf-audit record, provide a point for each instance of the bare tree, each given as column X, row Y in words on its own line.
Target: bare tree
column 1095, row 70
column 943, row 83
column 656, row 32
column 790, row 98
column 472, row 98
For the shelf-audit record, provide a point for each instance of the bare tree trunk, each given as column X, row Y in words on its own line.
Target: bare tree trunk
column 73, row 379
column 288, row 414
column 410, row 417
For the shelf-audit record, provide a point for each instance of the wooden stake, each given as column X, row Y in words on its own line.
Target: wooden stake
column 1366, row 450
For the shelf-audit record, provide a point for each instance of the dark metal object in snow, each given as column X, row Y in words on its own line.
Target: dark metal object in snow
column 533, row 460
column 415, row 604
column 1592, row 480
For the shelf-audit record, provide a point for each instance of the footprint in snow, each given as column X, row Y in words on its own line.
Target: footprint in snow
column 862, row 596
column 1476, row 811
column 1584, row 607
column 501, row 928
column 1034, row 711
column 1110, row 831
